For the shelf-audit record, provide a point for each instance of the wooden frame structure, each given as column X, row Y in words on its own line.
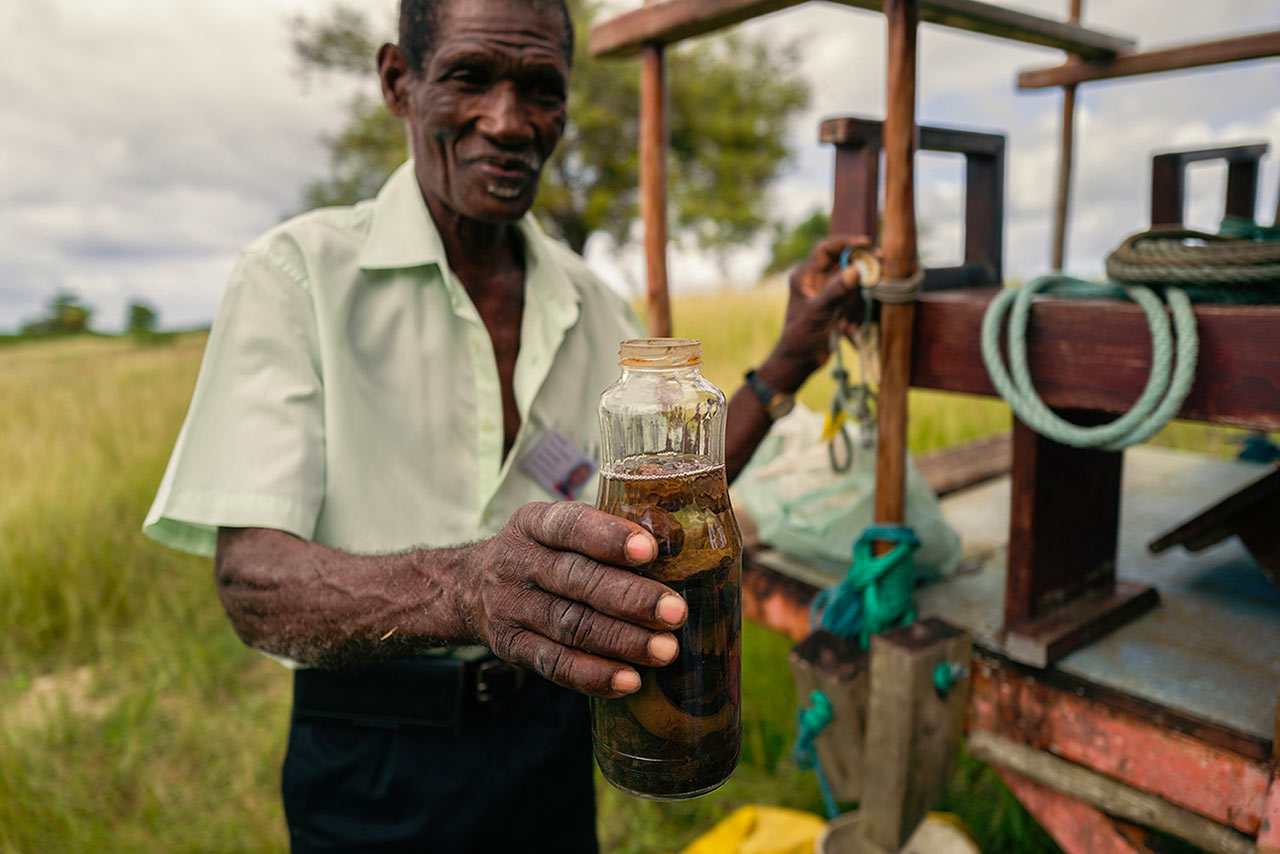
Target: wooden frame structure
column 1086, row 761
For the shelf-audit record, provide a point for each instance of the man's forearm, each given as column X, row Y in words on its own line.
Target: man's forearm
column 748, row 422
column 323, row 607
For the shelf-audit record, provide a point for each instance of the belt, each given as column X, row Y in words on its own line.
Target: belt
column 434, row 692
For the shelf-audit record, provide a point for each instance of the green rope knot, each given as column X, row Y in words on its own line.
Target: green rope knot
column 876, row 593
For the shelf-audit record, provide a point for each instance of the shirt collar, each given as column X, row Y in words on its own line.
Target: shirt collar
column 403, row 234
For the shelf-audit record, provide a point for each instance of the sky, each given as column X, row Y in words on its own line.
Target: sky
column 144, row 142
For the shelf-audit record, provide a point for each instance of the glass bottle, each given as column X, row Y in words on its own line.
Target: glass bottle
column 662, row 465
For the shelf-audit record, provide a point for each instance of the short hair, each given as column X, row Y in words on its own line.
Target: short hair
column 420, row 19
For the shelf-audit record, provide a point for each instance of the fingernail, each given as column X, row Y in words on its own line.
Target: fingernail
column 663, row 648
column 625, row 682
column 672, row 610
column 849, row 277
column 640, row 548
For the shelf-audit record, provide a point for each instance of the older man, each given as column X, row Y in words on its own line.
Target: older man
column 353, row 455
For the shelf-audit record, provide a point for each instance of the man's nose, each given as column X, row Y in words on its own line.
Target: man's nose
column 505, row 118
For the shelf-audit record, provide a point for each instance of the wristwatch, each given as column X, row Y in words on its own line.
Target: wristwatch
column 776, row 404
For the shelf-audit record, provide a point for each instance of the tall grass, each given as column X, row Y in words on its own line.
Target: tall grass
column 132, row 719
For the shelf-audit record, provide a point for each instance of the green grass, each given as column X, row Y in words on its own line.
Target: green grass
column 132, row 719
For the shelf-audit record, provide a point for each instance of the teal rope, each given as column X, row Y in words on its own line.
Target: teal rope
column 1160, row 399
column 874, row 596
column 811, row 721
column 876, row 593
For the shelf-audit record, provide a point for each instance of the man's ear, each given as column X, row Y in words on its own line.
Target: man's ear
column 393, row 71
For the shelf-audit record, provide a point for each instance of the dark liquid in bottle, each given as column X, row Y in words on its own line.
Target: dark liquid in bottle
column 679, row 735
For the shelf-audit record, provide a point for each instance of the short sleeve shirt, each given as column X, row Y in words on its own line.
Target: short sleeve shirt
column 349, row 392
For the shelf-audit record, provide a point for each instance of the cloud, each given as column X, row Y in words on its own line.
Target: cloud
column 144, row 142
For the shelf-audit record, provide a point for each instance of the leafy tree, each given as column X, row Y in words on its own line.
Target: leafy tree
column 791, row 246
column 141, row 320
column 730, row 101
column 65, row 315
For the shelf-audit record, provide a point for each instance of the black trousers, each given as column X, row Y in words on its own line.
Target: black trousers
column 517, row 778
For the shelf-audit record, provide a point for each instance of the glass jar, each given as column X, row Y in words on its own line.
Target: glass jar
column 662, row 465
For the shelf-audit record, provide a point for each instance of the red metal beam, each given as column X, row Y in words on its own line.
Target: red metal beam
column 1186, row 771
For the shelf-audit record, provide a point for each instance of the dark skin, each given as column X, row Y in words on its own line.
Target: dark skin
column 555, row 590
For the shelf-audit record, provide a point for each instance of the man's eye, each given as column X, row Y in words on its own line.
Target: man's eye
column 471, row 77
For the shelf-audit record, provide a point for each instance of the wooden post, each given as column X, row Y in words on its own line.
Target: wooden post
column 838, row 668
column 898, row 244
column 653, row 186
column 1064, row 162
column 913, row 728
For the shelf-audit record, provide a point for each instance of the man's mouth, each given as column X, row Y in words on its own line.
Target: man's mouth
column 507, row 176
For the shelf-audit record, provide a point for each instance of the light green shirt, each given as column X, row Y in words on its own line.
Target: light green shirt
column 349, row 392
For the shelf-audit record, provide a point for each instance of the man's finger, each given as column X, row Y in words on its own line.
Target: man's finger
column 616, row 592
column 576, row 527
column 581, row 627
column 581, row 671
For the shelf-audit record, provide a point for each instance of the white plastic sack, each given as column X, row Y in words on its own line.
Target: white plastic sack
column 804, row 509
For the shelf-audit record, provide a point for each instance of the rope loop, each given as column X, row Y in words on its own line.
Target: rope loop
column 1166, row 388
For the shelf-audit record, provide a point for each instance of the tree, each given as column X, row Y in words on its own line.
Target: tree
column 65, row 315
column 730, row 101
column 141, row 320
column 791, row 246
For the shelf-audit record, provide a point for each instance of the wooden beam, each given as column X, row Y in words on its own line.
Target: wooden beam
column 1096, row 354
column 1198, row 55
column 653, row 187
column 674, row 20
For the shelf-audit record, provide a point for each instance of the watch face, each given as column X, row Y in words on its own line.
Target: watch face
column 780, row 405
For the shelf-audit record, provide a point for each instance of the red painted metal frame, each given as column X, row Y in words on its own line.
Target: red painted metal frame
column 1077, row 827
column 1225, row 776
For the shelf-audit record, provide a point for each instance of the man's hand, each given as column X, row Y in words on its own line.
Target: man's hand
column 822, row 296
column 549, row 592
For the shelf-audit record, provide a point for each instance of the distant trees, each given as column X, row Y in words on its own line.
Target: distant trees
column 790, row 246
column 141, row 320
column 730, row 97
column 65, row 315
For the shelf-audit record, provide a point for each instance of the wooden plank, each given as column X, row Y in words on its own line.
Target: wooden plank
column 1095, row 354
column 1077, row 827
column 1198, row 55
column 1215, row 523
column 913, row 730
column 674, row 20
column 953, row 469
column 653, row 187
column 1189, row 763
column 1103, row 792
column 1043, row 640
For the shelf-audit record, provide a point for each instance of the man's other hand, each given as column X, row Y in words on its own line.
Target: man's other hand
column 822, row 296
column 554, row 591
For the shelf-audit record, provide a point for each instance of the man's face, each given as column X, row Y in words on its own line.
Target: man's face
column 488, row 108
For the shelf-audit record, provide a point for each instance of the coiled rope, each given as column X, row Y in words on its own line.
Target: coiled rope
column 1240, row 265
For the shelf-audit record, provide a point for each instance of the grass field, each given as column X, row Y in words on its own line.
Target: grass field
column 131, row 718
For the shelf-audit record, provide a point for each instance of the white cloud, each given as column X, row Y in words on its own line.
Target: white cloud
column 143, row 142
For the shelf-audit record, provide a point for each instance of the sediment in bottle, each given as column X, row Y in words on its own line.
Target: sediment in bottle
column 678, row 736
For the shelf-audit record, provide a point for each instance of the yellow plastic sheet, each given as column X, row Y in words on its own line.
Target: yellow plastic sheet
column 760, row 829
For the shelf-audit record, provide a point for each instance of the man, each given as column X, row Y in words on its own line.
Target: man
column 375, row 378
